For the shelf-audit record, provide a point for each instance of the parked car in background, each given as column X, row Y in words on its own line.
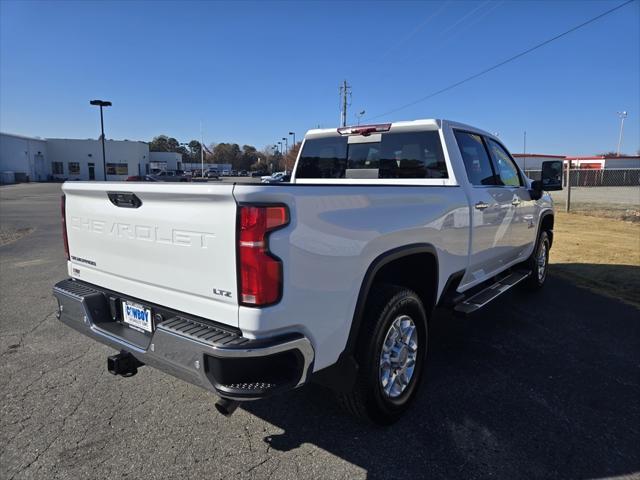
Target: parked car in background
column 273, row 178
column 212, row 173
column 278, row 179
column 141, row 178
column 226, row 173
column 243, row 173
column 170, row 176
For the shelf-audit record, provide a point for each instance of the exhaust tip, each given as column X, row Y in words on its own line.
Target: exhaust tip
column 226, row 407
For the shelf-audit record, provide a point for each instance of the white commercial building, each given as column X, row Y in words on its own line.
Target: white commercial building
column 165, row 161
column 606, row 162
column 23, row 158
column 82, row 159
column 533, row 161
column 36, row 159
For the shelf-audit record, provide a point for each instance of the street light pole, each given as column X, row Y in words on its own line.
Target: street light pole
column 622, row 116
column 201, row 152
column 294, row 137
column 286, row 145
column 102, row 103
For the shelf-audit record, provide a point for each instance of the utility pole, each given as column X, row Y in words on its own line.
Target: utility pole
column 622, row 116
column 568, row 206
column 345, row 91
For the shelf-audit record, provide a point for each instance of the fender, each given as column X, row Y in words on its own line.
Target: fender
column 543, row 215
column 341, row 375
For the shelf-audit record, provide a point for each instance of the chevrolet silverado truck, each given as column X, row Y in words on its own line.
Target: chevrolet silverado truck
column 249, row 290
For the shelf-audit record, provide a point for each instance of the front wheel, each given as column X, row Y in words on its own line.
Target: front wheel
column 539, row 263
column 390, row 353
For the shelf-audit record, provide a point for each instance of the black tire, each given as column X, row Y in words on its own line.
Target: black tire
column 537, row 278
column 368, row 400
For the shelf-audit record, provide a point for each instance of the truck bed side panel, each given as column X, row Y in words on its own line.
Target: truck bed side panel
column 335, row 233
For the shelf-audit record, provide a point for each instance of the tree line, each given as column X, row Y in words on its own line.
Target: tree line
column 247, row 157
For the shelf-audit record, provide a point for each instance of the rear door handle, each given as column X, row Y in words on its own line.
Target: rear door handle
column 481, row 205
column 515, row 202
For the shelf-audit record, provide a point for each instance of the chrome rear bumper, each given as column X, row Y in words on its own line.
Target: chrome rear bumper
column 192, row 349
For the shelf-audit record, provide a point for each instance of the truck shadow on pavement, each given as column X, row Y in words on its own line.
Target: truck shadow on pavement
column 536, row 386
column 620, row 281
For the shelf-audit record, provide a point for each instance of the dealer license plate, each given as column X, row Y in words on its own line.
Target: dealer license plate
column 137, row 316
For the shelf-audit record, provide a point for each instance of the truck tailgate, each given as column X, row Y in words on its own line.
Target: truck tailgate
column 177, row 248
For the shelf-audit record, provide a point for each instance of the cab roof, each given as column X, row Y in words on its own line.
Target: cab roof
column 407, row 125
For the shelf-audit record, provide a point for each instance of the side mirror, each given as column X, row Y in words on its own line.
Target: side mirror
column 551, row 177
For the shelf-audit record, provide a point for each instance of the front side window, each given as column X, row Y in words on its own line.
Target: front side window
column 476, row 160
column 505, row 167
column 391, row 155
column 74, row 168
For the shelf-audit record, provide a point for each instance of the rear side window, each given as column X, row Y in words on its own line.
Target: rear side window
column 505, row 167
column 389, row 155
column 476, row 159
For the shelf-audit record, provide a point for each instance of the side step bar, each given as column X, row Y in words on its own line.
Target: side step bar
column 480, row 299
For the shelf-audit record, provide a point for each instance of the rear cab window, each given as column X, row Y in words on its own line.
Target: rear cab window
column 389, row 155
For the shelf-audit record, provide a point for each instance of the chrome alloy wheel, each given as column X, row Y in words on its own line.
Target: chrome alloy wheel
column 542, row 261
column 398, row 356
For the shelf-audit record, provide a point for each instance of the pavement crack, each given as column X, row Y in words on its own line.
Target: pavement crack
column 22, row 335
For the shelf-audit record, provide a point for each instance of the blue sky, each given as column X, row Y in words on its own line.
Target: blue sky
column 251, row 72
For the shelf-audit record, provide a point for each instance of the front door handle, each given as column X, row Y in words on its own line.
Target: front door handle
column 515, row 202
column 481, row 205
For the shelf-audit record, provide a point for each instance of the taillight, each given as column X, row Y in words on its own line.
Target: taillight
column 260, row 272
column 64, row 226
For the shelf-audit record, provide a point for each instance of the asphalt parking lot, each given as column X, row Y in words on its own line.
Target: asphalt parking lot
column 542, row 386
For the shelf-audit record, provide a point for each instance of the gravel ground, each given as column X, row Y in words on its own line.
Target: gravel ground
column 536, row 386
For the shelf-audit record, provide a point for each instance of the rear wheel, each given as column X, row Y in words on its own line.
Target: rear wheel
column 539, row 263
column 390, row 354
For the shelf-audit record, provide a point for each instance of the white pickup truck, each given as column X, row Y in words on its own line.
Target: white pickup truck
column 249, row 290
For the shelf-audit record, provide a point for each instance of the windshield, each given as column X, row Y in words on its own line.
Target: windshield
column 393, row 155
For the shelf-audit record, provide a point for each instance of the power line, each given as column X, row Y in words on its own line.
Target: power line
column 413, row 32
column 461, row 20
column 504, row 62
